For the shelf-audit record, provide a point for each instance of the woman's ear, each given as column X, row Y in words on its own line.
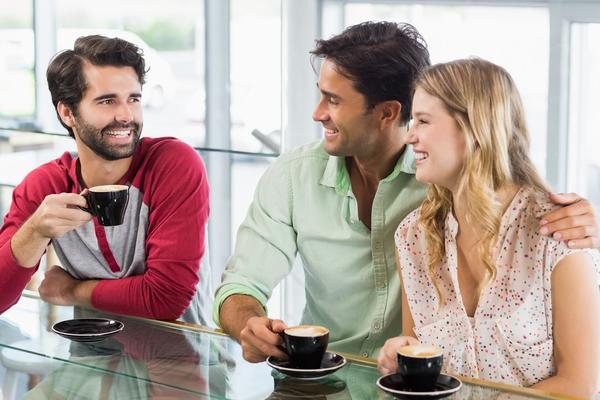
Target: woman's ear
column 65, row 113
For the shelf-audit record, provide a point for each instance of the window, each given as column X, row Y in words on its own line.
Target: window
column 256, row 75
column 583, row 159
column 172, row 38
column 17, row 78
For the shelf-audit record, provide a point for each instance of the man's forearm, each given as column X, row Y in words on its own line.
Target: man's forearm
column 235, row 312
column 82, row 294
column 28, row 246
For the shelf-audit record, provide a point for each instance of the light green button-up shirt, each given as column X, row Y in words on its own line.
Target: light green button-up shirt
column 304, row 205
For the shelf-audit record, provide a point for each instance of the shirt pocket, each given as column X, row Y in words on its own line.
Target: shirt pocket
column 531, row 355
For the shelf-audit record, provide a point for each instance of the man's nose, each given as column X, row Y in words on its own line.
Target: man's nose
column 320, row 112
column 124, row 114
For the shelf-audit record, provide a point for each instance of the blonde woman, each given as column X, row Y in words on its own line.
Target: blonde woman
column 505, row 303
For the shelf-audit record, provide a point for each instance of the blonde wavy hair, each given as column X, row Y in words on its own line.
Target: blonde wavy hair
column 486, row 105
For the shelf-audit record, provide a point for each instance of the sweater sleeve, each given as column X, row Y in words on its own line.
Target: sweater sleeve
column 26, row 197
column 176, row 192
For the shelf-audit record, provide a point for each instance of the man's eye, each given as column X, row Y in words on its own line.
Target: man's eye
column 106, row 101
column 135, row 99
column 331, row 100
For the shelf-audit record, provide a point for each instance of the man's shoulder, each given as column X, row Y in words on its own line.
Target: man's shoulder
column 54, row 172
column 305, row 153
column 166, row 147
column 305, row 162
column 166, row 163
column 170, row 153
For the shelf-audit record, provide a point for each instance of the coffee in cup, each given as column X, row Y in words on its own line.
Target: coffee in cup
column 108, row 203
column 306, row 345
column 420, row 366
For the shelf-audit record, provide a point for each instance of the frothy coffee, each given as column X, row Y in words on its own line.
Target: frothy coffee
column 420, row 351
column 306, row 331
column 107, row 188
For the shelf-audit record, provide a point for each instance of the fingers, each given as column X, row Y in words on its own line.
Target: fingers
column 591, row 242
column 259, row 341
column 278, row 325
column 72, row 199
column 564, row 198
column 581, row 232
column 574, row 224
column 581, row 207
column 387, row 360
column 59, row 214
column 579, row 226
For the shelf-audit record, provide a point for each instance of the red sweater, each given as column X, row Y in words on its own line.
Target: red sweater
column 149, row 266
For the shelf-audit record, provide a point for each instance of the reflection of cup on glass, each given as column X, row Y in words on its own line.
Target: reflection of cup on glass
column 306, row 345
column 323, row 389
column 420, row 366
column 107, row 203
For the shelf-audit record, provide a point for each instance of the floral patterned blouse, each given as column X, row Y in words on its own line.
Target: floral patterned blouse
column 509, row 339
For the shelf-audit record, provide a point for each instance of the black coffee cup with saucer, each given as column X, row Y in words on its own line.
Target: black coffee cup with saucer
column 306, row 347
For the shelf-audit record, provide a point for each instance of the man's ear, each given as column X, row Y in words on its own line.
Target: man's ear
column 65, row 113
column 390, row 112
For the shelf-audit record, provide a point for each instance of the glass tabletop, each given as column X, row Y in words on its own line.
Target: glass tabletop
column 153, row 359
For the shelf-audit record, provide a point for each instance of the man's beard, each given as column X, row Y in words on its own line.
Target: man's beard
column 94, row 139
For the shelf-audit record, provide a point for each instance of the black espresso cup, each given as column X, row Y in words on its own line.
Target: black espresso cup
column 306, row 345
column 420, row 366
column 108, row 203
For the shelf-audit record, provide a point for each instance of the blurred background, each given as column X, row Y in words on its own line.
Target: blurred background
column 233, row 79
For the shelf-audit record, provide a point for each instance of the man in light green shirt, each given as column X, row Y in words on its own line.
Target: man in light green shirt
column 305, row 203
column 336, row 203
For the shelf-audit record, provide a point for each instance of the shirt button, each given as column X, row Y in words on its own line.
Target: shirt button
column 377, row 325
column 365, row 354
column 381, row 284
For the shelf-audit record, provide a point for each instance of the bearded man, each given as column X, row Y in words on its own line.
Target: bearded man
column 140, row 267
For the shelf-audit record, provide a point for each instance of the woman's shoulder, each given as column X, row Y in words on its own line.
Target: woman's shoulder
column 550, row 250
column 536, row 202
column 409, row 224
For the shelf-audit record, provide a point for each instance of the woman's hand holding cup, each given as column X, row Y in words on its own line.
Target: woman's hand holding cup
column 387, row 362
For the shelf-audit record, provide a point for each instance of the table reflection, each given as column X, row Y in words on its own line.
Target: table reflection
column 156, row 360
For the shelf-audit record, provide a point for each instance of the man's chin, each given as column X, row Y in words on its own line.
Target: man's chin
column 333, row 150
column 117, row 154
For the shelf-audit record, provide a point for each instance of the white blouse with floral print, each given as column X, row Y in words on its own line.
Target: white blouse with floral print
column 509, row 339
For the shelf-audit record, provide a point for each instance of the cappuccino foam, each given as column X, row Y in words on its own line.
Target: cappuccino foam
column 306, row 331
column 108, row 188
column 420, row 351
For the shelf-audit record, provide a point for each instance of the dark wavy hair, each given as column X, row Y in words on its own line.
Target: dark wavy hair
column 383, row 59
column 65, row 76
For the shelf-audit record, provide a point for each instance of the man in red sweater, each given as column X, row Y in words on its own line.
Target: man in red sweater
column 142, row 267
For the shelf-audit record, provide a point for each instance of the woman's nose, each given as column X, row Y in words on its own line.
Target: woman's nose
column 411, row 136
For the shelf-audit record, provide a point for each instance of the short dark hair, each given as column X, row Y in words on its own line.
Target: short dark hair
column 383, row 59
column 65, row 76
